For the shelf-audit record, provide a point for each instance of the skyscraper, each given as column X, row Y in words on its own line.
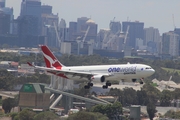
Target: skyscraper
column 177, row 31
column 135, row 31
column 31, row 7
column 151, row 34
column 170, row 43
column 72, row 30
column 115, row 26
column 152, row 39
column 2, row 3
column 63, row 31
column 4, row 23
column 46, row 9
column 81, row 21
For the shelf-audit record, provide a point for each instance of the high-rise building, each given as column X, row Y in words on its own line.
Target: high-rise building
column 115, row 26
column 72, row 30
column 2, row 3
column 32, row 8
column 9, row 11
column 62, row 23
column 81, row 21
column 28, row 25
column 151, row 34
column 92, row 27
column 50, row 27
column 152, row 39
column 89, row 30
column 177, row 31
column 4, row 23
column 46, row 9
column 170, row 43
column 135, row 31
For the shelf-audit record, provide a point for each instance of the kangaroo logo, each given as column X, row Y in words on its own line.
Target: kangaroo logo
column 52, row 62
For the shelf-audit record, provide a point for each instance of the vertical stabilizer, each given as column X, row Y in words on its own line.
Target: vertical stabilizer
column 49, row 58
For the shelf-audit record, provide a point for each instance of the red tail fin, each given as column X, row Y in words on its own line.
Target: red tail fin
column 50, row 59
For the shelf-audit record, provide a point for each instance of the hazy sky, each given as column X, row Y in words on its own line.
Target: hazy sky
column 154, row 13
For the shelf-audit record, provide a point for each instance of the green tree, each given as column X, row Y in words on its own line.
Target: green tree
column 25, row 114
column 83, row 115
column 166, row 97
column 176, row 93
column 172, row 114
column 151, row 110
column 8, row 104
column 110, row 110
column 153, row 94
column 142, row 97
column 46, row 116
column 6, row 80
column 129, row 96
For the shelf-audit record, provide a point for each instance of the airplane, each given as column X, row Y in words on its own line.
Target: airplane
column 104, row 74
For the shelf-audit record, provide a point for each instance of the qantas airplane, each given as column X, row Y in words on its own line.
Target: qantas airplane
column 95, row 73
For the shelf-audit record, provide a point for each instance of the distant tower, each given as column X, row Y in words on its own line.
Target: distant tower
column 135, row 31
column 64, row 32
column 46, row 9
column 81, row 21
column 2, row 3
column 115, row 26
column 62, row 23
column 170, row 43
column 72, row 30
column 152, row 39
column 7, row 11
column 31, row 7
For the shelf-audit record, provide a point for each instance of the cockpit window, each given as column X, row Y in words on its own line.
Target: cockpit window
column 148, row 68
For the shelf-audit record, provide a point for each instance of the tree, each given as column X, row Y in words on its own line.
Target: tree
column 166, row 97
column 8, row 104
column 153, row 93
column 129, row 96
column 142, row 97
column 46, row 116
column 151, row 110
column 172, row 114
column 25, row 114
column 110, row 110
column 83, row 115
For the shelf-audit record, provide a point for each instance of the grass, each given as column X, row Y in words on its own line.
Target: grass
column 171, row 70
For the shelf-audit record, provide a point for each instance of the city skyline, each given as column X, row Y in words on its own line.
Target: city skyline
column 153, row 13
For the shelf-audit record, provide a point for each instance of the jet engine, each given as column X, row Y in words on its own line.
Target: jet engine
column 98, row 78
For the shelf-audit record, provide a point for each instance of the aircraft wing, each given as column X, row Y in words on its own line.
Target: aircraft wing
column 70, row 72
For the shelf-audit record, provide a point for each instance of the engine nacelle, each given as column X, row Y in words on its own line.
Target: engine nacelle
column 98, row 78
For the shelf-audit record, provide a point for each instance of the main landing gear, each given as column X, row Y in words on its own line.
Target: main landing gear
column 141, row 81
column 91, row 84
column 106, row 86
column 88, row 85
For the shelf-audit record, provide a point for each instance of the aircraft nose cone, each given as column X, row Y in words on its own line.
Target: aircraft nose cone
column 153, row 71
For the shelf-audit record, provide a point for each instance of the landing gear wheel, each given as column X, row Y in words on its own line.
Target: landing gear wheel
column 108, row 84
column 86, row 87
column 90, row 84
column 141, row 82
column 104, row 87
column 133, row 80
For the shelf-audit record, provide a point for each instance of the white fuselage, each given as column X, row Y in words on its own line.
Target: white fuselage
column 117, row 72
